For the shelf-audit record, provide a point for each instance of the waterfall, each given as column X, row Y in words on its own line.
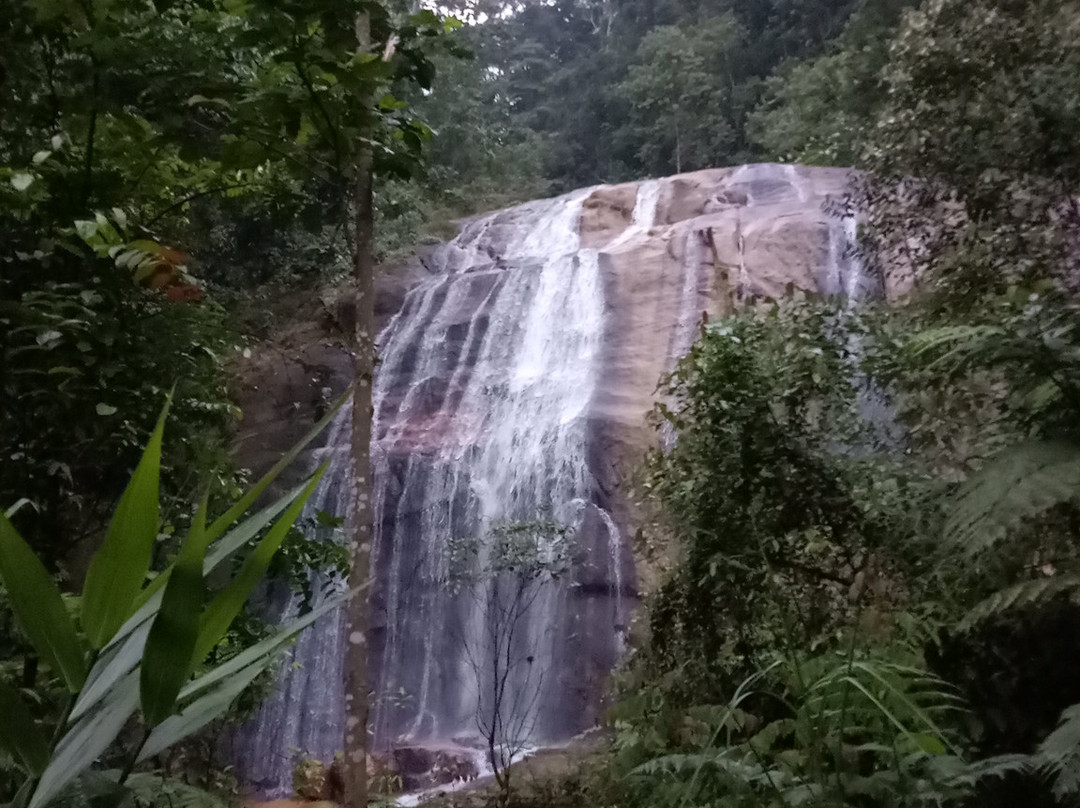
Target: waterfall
column 507, row 392
column 303, row 716
column 481, row 417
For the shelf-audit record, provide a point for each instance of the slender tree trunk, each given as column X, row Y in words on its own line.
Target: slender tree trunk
column 678, row 149
column 357, row 687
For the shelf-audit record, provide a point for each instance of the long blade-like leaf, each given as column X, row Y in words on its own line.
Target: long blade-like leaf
column 87, row 740
column 228, row 603
column 166, row 661
column 113, row 664
column 222, row 550
column 19, row 735
column 259, row 650
column 39, row 608
column 119, row 568
column 201, row 711
column 221, row 524
column 123, row 652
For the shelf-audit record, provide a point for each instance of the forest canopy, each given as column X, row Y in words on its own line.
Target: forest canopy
column 850, row 615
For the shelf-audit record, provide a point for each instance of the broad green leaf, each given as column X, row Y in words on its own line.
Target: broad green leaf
column 119, row 658
column 119, row 568
column 166, row 661
column 20, row 182
column 204, row 684
column 249, row 529
column 228, row 603
column 125, row 649
column 1017, row 484
column 229, row 544
column 388, row 102
column 87, row 740
column 19, row 735
column 200, row 712
column 222, row 523
column 39, row 608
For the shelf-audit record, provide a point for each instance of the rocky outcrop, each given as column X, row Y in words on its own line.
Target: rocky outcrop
column 515, row 381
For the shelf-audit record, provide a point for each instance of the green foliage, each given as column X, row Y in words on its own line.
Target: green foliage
column 38, row 606
column 775, row 494
column 147, row 643
column 1019, row 483
column 821, row 111
column 152, row 791
column 833, row 729
column 311, row 545
column 531, row 553
column 677, row 84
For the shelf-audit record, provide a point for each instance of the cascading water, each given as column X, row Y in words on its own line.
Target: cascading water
column 303, row 717
column 488, row 410
column 481, row 417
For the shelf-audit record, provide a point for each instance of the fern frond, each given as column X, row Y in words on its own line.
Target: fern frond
column 958, row 343
column 154, row 791
column 1025, row 593
column 679, row 765
column 1059, row 753
column 961, row 774
column 1017, row 484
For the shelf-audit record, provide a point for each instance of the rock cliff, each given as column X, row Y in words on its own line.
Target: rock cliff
column 514, row 383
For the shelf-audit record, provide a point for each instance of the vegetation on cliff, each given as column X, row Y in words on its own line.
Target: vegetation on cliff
column 875, row 507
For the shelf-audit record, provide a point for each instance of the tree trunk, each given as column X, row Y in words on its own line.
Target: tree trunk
column 357, row 688
column 678, row 149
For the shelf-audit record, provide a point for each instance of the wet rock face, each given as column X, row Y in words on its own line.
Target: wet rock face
column 513, row 385
column 423, row 767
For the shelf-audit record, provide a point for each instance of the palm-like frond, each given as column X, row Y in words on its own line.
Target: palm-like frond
column 1017, row 484
column 957, row 346
column 1025, row 593
column 1060, row 752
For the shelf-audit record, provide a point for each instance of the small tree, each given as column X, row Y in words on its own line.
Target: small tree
column 507, row 573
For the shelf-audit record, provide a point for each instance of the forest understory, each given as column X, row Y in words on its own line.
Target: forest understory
column 864, row 519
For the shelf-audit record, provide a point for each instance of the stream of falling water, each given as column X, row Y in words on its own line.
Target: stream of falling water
column 482, row 403
column 481, row 417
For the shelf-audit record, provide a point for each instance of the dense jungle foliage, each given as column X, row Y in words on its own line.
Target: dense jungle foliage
column 869, row 515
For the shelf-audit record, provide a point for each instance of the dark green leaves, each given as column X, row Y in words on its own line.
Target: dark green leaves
column 19, row 735
column 119, row 568
column 224, row 608
column 39, row 608
column 1017, row 484
column 166, row 661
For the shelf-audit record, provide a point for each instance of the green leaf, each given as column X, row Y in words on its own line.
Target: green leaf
column 20, row 182
column 119, row 658
column 1022, row 594
column 19, row 735
column 201, row 711
column 388, row 103
column 232, row 667
column 39, row 608
column 105, row 409
column 228, row 603
column 119, row 568
column 166, row 662
column 222, row 523
column 87, row 740
column 124, row 650
column 1061, row 751
column 1015, row 485
column 40, row 157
